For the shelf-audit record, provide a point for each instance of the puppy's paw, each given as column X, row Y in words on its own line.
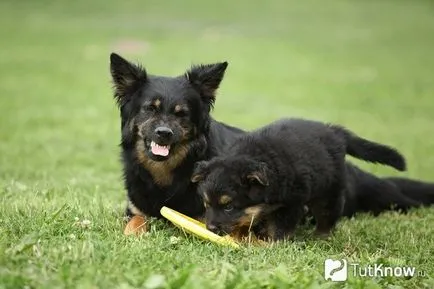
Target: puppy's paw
column 282, row 235
column 137, row 225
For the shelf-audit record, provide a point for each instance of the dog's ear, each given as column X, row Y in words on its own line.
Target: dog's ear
column 206, row 79
column 200, row 171
column 258, row 174
column 126, row 78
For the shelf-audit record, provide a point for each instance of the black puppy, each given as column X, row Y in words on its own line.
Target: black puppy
column 166, row 128
column 268, row 176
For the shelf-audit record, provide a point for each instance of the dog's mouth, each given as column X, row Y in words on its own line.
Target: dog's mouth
column 159, row 150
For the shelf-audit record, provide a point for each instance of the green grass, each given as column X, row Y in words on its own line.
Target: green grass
column 365, row 64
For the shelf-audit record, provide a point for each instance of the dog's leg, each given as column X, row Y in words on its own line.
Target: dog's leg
column 137, row 221
column 327, row 212
column 282, row 223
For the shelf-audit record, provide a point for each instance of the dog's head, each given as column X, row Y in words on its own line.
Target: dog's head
column 161, row 116
column 234, row 190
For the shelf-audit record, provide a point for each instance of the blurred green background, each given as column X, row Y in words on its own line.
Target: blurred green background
column 368, row 65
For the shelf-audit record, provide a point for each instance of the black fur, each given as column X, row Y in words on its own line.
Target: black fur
column 372, row 194
column 369, row 151
column 277, row 170
column 173, row 113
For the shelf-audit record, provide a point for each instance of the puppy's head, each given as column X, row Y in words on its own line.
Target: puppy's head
column 161, row 116
column 234, row 192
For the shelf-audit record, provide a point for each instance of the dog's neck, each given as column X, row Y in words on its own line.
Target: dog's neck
column 162, row 172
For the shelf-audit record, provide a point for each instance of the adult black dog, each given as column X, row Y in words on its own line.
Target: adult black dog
column 166, row 128
column 267, row 177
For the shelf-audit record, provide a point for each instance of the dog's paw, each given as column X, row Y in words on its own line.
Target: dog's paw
column 137, row 225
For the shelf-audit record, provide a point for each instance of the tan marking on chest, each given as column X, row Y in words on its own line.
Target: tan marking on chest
column 161, row 172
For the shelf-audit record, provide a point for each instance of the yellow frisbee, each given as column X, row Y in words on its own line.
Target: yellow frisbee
column 195, row 227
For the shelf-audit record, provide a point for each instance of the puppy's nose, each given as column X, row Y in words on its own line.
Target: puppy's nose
column 164, row 132
column 213, row 228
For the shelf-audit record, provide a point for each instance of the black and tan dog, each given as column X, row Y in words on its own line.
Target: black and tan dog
column 268, row 176
column 166, row 128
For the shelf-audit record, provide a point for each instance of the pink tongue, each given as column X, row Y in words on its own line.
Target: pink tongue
column 160, row 151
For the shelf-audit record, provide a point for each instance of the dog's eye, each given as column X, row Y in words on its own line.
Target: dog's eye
column 149, row 108
column 181, row 113
column 228, row 208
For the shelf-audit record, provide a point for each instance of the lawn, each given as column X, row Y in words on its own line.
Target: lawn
column 364, row 64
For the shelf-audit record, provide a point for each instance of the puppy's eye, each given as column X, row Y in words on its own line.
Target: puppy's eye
column 228, row 208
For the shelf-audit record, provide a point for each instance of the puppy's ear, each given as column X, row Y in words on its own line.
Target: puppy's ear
column 126, row 78
column 206, row 79
column 200, row 171
column 258, row 174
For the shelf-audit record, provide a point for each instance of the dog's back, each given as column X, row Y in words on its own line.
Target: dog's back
column 296, row 147
column 335, row 139
column 293, row 141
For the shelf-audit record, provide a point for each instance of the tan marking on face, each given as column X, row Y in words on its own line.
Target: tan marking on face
column 254, row 210
column 161, row 172
column 157, row 103
column 252, row 215
column 225, row 199
column 206, row 205
column 178, row 108
column 206, row 197
column 181, row 107
column 247, row 220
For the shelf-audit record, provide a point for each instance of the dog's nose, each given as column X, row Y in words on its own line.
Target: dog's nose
column 164, row 132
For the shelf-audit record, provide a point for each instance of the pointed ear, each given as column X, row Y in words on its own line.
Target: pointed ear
column 206, row 79
column 126, row 78
column 258, row 174
column 199, row 172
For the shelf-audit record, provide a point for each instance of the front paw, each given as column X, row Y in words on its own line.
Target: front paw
column 137, row 225
column 282, row 236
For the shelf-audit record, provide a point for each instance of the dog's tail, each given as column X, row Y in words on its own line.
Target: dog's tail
column 421, row 192
column 370, row 151
column 369, row 193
